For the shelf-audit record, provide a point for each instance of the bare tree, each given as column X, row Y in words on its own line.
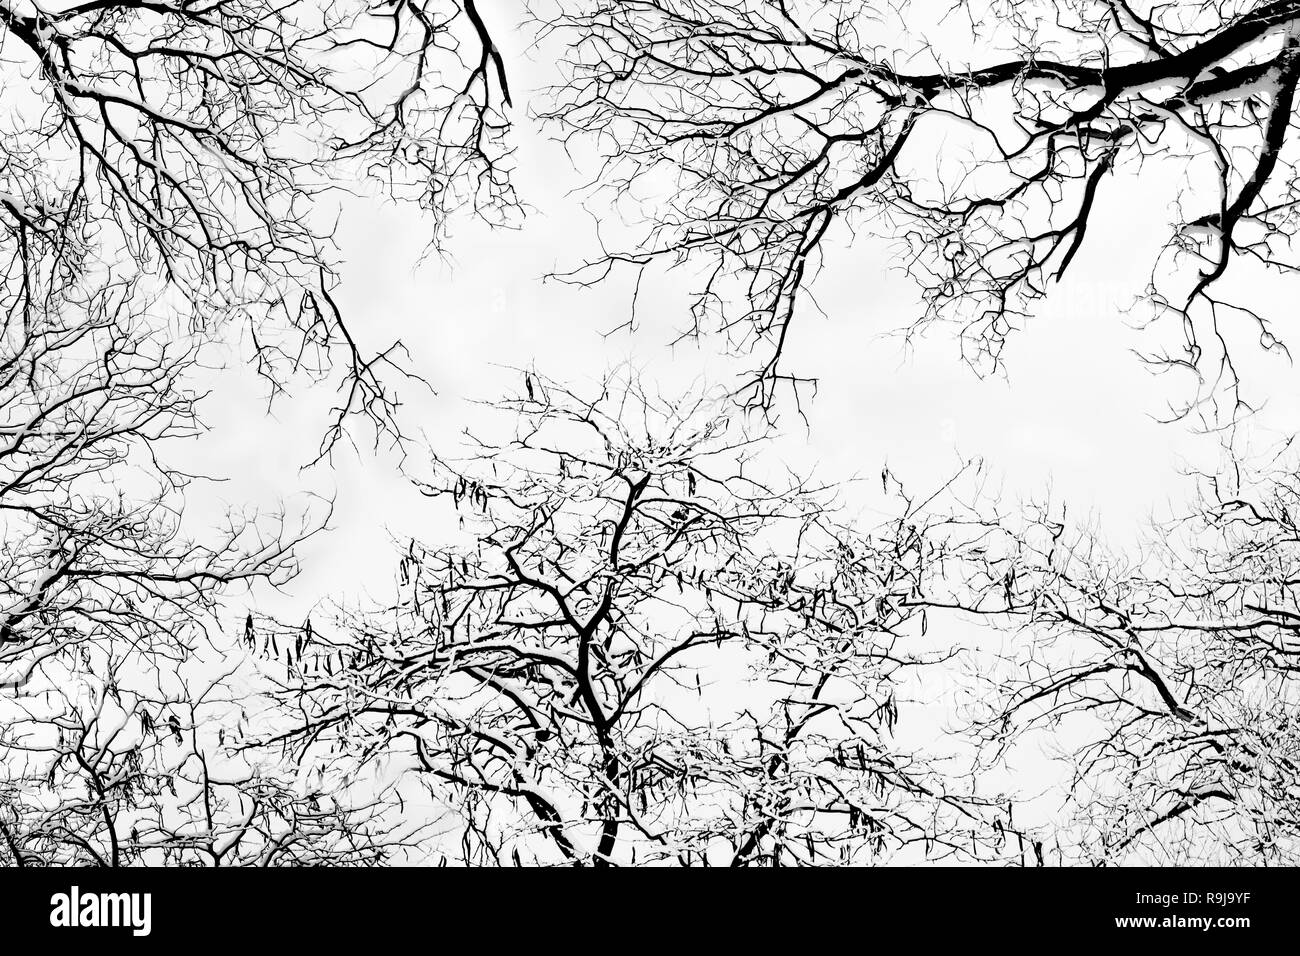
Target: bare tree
column 187, row 145
column 93, row 546
column 114, row 758
column 105, row 595
column 639, row 648
column 1163, row 679
column 977, row 137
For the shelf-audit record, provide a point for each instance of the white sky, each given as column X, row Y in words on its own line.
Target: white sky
column 1076, row 412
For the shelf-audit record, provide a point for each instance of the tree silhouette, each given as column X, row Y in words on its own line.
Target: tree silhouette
column 111, row 758
column 188, row 146
column 976, row 137
column 640, row 649
column 106, row 594
column 1163, row 678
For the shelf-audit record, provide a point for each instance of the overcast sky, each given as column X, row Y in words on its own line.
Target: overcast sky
column 1075, row 412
